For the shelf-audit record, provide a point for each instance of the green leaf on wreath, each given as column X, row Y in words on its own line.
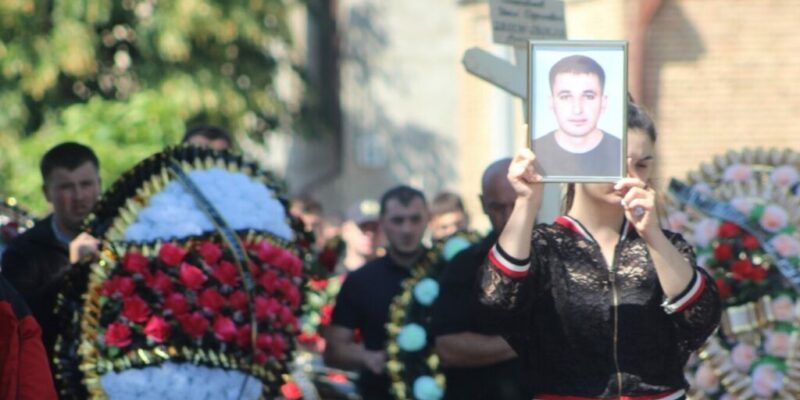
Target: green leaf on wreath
column 113, row 351
column 314, row 300
column 788, row 229
column 757, row 212
column 783, row 326
column 777, row 362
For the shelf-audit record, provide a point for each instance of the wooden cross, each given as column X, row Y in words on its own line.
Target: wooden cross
column 514, row 22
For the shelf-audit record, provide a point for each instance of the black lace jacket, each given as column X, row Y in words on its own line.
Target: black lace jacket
column 594, row 330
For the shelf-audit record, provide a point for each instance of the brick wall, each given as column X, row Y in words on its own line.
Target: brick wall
column 720, row 75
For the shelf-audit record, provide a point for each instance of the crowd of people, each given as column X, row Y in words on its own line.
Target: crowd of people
column 600, row 304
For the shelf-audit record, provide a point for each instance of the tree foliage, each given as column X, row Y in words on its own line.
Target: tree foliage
column 129, row 74
column 121, row 133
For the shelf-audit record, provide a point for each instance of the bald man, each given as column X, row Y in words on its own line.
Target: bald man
column 478, row 363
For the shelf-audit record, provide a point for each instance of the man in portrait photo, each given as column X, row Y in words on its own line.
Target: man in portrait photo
column 578, row 147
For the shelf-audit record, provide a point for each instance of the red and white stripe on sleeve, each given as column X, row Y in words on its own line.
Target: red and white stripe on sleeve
column 688, row 296
column 508, row 265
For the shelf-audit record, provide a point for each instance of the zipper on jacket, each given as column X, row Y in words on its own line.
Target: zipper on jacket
column 615, row 301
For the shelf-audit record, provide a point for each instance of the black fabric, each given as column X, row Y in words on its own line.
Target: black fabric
column 579, row 340
column 604, row 160
column 363, row 304
column 456, row 310
column 35, row 263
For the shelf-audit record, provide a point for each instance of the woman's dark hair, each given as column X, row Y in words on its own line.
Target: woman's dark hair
column 638, row 119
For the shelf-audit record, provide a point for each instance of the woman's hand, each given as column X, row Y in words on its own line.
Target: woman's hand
column 523, row 177
column 639, row 202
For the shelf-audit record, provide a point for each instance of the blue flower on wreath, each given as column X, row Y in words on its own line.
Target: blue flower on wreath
column 412, row 337
column 453, row 246
column 426, row 291
column 426, row 388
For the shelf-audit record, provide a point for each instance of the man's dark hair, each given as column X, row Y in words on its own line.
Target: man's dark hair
column 210, row 132
column 68, row 155
column 577, row 64
column 446, row 202
column 403, row 193
column 306, row 204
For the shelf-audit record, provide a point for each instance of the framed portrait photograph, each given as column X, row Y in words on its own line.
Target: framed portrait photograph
column 577, row 108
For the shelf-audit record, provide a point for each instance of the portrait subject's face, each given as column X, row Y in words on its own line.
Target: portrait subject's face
column 577, row 101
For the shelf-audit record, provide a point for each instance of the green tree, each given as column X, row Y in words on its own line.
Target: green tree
column 131, row 73
column 122, row 133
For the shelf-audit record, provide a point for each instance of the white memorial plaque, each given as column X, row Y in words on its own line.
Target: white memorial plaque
column 514, row 22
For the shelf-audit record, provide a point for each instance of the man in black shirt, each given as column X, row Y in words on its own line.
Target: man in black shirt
column 578, row 147
column 478, row 363
column 35, row 262
column 363, row 302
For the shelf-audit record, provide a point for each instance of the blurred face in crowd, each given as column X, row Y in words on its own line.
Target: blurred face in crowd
column 73, row 194
column 498, row 198
column 444, row 225
column 404, row 225
column 363, row 239
column 215, row 144
column 577, row 101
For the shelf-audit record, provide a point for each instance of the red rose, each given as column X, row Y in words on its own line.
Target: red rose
column 337, row 377
column 119, row 286
column 266, row 252
column 264, row 341
column 238, row 301
column 135, row 263
column 723, row 287
column 278, row 346
column 289, row 263
column 268, row 280
column 244, row 336
column 210, row 252
column 118, row 335
column 255, row 269
column 328, row 259
column 171, row 254
column 211, row 300
column 728, row 230
column 226, row 273
column 741, row 269
column 286, row 317
column 224, row 329
column 308, row 339
column 297, row 266
column 157, row 329
column 291, row 391
column 135, row 309
column 260, row 357
column 292, row 294
column 758, row 274
column 266, row 307
column 318, row 284
column 194, row 324
column 191, row 276
column 161, row 283
column 177, row 304
column 750, row 242
column 325, row 314
column 723, row 252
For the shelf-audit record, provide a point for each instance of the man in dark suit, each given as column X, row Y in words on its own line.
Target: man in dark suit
column 478, row 363
column 36, row 261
